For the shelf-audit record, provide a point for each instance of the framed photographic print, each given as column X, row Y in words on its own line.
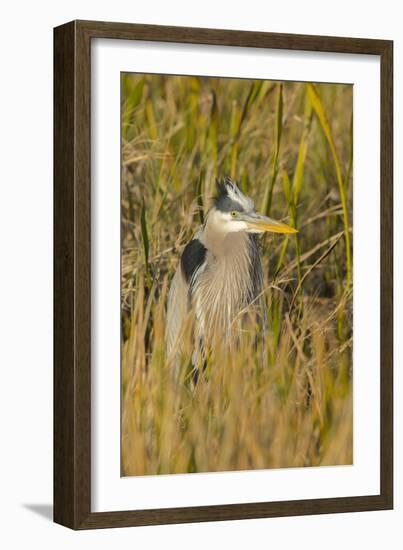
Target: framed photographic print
column 223, row 275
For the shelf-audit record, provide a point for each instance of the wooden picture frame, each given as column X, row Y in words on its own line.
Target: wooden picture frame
column 72, row 271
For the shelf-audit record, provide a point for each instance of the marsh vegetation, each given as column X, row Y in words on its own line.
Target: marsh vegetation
column 289, row 147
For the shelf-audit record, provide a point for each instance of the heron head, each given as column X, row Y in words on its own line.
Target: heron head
column 233, row 212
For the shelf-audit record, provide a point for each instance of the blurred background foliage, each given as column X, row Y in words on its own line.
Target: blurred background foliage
column 289, row 146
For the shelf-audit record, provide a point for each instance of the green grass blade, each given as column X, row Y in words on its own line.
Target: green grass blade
column 350, row 158
column 212, row 133
column 267, row 200
column 302, row 151
column 321, row 115
column 234, row 130
column 288, row 191
column 145, row 240
column 199, row 197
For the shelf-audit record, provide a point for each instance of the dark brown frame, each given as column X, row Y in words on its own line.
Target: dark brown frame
column 72, row 319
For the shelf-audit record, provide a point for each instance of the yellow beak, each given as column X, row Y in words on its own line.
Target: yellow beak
column 260, row 223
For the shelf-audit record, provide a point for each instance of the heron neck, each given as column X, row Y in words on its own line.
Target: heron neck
column 223, row 244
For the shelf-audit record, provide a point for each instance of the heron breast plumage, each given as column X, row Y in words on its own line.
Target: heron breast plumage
column 216, row 288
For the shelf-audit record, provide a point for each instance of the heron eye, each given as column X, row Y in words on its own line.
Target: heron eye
column 233, row 214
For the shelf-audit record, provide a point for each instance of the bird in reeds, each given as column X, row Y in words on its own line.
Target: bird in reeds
column 219, row 279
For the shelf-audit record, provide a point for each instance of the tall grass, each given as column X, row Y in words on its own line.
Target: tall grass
column 288, row 145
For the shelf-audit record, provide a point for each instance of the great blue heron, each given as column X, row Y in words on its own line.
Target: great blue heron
column 220, row 274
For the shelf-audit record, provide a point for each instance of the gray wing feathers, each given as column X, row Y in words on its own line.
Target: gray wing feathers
column 177, row 311
column 193, row 257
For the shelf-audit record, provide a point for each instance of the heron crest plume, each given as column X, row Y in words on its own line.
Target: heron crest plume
column 229, row 196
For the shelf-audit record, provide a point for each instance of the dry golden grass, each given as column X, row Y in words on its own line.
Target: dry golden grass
column 289, row 147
